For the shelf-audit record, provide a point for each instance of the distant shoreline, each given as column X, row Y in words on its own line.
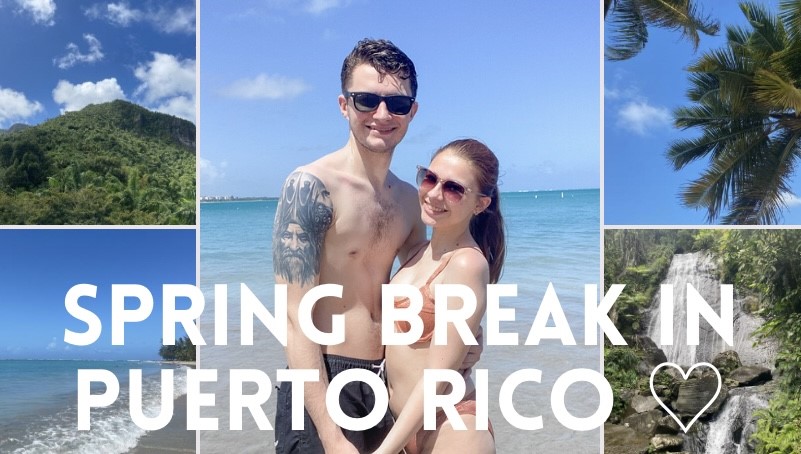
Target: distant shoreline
column 218, row 199
column 181, row 363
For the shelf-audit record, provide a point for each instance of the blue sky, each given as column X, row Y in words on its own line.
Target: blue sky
column 62, row 55
column 640, row 94
column 40, row 266
column 521, row 76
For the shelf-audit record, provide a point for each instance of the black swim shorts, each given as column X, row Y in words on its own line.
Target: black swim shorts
column 356, row 400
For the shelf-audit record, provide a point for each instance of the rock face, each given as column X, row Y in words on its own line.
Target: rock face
column 663, row 442
column 652, row 354
column 644, row 423
column 751, row 375
column 624, row 440
column 695, row 393
column 667, row 425
column 727, row 361
column 641, row 404
column 701, row 271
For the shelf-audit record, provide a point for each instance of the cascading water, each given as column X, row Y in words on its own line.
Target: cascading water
column 730, row 431
column 699, row 269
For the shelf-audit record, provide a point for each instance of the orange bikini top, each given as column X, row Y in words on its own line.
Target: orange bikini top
column 427, row 312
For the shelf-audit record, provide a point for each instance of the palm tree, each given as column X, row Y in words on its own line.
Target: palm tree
column 747, row 104
column 630, row 20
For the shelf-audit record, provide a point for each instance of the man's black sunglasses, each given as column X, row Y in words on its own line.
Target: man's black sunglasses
column 368, row 102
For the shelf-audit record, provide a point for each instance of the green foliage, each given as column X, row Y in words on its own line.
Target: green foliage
column 769, row 264
column 113, row 163
column 620, row 370
column 706, row 240
column 640, row 260
column 779, row 426
column 183, row 350
column 26, row 166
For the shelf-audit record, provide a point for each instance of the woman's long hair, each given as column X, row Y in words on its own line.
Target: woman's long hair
column 486, row 227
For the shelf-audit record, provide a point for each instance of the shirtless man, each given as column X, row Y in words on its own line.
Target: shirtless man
column 343, row 219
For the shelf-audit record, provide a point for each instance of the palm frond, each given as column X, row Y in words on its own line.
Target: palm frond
column 776, row 93
column 628, row 26
column 726, row 176
column 628, row 31
column 788, row 61
column 737, row 36
column 679, row 15
column 761, row 200
column 790, row 14
column 768, row 35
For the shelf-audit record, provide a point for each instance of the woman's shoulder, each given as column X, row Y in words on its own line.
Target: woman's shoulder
column 468, row 262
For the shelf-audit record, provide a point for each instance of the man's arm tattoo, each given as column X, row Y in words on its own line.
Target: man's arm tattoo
column 304, row 214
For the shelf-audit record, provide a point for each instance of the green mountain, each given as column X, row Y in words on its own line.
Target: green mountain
column 112, row 163
column 14, row 128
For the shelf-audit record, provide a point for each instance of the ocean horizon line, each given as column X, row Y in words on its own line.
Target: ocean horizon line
column 89, row 359
column 234, row 198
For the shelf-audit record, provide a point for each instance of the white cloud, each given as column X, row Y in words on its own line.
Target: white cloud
column 76, row 97
column 611, row 93
column 211, row 172
column 180, row 106
column 168, row 85
column 121, row 14
column 15, row 106
column 318, row 6
column 178, row 20
column 165, row 76
column 265, row 86
column 640, row 117
column 75, row 56
column 790, row 199
column 42, row 11
column 52, row 344
column 181, row 20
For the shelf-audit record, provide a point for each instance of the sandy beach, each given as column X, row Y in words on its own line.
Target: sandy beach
column 174, row 438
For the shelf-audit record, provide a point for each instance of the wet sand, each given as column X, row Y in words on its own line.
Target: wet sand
column 172, row 439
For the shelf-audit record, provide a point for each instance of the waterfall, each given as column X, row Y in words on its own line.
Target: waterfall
column 700, row 270
column 732, row 426
column 730, row 431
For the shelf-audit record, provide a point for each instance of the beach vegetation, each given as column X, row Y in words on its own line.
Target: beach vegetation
column 183, row 350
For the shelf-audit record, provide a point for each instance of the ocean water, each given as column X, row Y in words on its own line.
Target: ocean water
column 552, row 237
column 38, row 406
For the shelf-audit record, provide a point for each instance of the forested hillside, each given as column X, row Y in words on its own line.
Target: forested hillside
column 112, row 163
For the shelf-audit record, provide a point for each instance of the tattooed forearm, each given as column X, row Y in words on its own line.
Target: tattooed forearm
column 303, row 216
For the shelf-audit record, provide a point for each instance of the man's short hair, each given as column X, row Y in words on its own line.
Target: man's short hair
column 382, row 55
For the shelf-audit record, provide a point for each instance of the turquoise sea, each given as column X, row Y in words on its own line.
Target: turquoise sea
column 38, row 406
column 553, row 237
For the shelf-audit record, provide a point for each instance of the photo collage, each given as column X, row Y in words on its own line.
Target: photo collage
column 345, row 226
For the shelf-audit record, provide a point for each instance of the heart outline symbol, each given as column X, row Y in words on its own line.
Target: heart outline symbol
column 685, row 375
